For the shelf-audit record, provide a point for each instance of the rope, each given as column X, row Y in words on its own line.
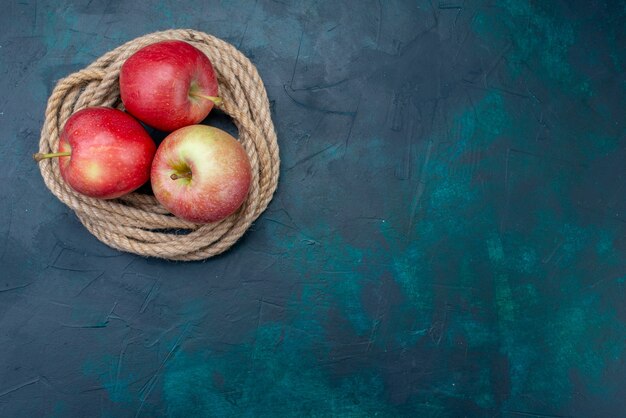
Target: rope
column 137, row 223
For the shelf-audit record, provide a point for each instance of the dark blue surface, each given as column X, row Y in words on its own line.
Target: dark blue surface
column 447, row 239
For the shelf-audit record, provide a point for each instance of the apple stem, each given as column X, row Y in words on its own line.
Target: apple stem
column 186, row 175
column 217, row 100
column 39, row 156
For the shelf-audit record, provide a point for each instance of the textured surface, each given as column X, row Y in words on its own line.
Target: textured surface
column 447, row 239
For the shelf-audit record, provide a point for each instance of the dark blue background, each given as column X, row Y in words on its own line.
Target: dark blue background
column 447, row 239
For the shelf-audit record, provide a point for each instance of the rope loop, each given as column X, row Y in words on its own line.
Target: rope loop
column 137, row 223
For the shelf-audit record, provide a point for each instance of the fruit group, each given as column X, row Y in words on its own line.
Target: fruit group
column 104, row 153
column 169, row 85
column 201, row 174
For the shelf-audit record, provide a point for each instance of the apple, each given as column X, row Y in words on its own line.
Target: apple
column 201, row 174
column 103, row 153
column 168, row 85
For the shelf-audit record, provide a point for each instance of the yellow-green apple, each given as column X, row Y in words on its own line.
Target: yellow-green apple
column 103, row 153
column 201, row 174
column 168, row 85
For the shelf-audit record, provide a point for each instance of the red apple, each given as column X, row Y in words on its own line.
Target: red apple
column 201, row 174
column 103, row 153
column 169, row 85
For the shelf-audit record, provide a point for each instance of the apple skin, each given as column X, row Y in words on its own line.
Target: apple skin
column 218, row 170
column 160, row 84
column 111, row 153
